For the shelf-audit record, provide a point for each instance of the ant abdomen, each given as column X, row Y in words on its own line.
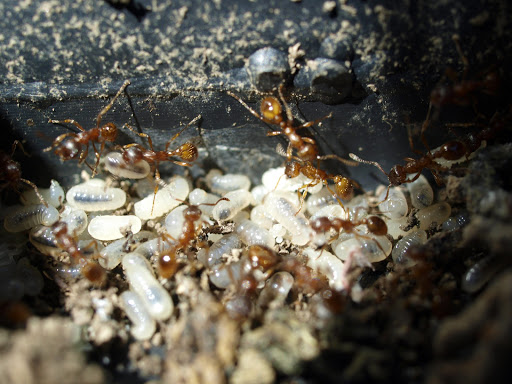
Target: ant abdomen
column 452, row 150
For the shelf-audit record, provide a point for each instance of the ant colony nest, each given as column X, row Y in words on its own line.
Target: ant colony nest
column 231, row 279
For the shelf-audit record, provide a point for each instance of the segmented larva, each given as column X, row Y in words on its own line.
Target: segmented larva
column 143, row 324
column 93, row 196
column 276, row 290
column 395, row 206
column 219, row 183
column 115, row 164
column 113, row 253
column 251, row 233
column 142, row 281
column 25, row 217
column 152, row 207
column 421, row 192
column 399, row 253
column 285, row 213
column 109, row 227
column 226, row 210
column 54, row 195
column 437, row 213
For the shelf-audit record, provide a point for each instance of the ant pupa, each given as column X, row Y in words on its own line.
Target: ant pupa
column 73, row 145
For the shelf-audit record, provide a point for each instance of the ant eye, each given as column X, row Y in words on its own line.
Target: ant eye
column 271, row 109
column 132, row 155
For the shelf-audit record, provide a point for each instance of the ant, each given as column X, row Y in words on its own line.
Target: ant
column 186, row 153
column 167, row 263
column 72, row 148
column 375, row 225
column 271, row 112
column 10, row 172
column 343, row 186
column 68, row 243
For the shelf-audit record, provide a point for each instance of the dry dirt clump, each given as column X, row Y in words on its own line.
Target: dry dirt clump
column 46, row 352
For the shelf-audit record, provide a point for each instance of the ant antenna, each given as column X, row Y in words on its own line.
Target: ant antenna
column 369, row 162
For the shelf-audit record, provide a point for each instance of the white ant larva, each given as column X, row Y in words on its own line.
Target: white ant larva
column 143, row 324
column 25, row 217
column 54, row 195
column 285, row 212
column 437, row 213
column 276, row 290
column 395, row 206
column 222, row 184
column 166, row 199
column 142, row 281
column 399, row 253
column 421, row 192
column 109, row 227
column 251, row 233
column 115, row 164
column 227, row 209
column 93, row 196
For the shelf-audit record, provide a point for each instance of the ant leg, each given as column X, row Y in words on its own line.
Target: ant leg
column 289, row 115
column 17, row 143
column 67, row 121
column 157, row 181
column 274, row 133
column 314, row 122
column 336, row 197
column 107, row 108
column 424, row 127
column 252, row 111
column 98, row 154
column 28, row 182
column 181, row 131
column 463, row 58
column 140, row 134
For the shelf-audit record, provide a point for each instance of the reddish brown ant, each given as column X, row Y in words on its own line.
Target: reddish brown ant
column 92, row 271
column 343, row 187
column 271, row 112
column 375, row 225
column 186, row 153
column 10, row 173
column 167, row 262
column 73, row 147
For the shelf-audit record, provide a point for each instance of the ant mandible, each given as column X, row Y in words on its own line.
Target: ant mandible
column 72, row 148
column 10, row 172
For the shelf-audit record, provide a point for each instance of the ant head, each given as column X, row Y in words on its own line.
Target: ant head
column 377, row 226
column 192, row 213
column 188, row 152
column 321, row 224
column 397, row 175
column 271, row 110
column 292, row 169
column 94, row 273
column 69, row 149
column 109, row 132
column 343, row 187
column 132, row 155
column 12, row 171
column 59, row 228
column 262, row 257
column 308, row 152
